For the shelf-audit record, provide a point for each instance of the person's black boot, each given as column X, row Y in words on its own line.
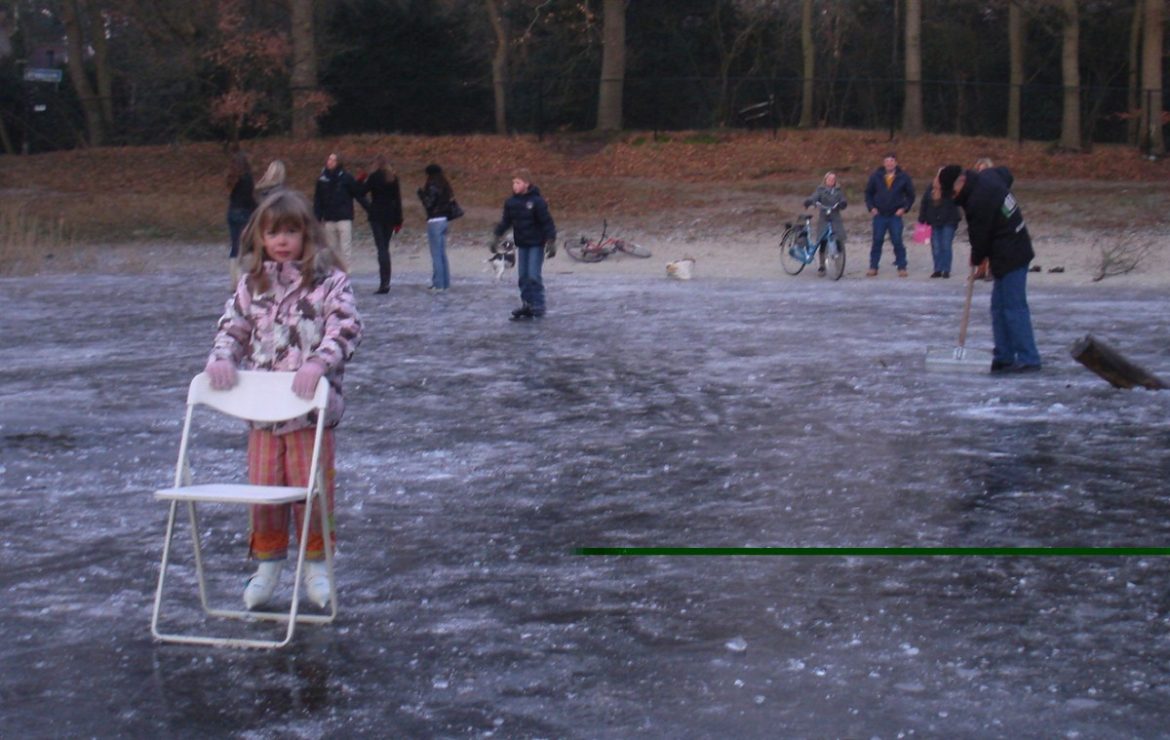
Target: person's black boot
column 522, row 313
column 383, row 279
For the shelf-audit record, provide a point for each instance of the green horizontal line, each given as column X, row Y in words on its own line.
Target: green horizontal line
column 1026, row 552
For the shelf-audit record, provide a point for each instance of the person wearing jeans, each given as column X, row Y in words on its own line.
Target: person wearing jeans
column 1011, row 324
column 1000, row 244
column 437, row 241
column 938, row 209
column 889, row 194
column 526, row 214
column 436, row 195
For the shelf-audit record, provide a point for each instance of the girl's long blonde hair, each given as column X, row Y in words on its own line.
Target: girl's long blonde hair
column 287, row 208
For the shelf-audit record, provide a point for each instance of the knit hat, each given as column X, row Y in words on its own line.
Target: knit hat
column 434, row 169
column 947, row 176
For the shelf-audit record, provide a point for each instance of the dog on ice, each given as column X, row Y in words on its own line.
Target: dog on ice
column 503, row 258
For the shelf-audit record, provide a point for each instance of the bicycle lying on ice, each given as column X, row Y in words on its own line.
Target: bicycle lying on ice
column 797, row 248
column 585, row 249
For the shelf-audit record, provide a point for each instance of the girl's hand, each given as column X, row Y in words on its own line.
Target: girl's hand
column 305, row 381
column 222, row 374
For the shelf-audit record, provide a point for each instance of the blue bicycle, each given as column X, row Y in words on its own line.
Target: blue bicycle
column 797, row 249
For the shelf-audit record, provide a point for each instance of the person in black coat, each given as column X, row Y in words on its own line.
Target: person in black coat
column 1000, row 244
column 437, row 195
column 938, row 209
column 534, row 233
column 384, row 211
column 241, row 203
column 333, row 206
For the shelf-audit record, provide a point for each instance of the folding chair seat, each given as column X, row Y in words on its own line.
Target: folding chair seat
column 262, row 397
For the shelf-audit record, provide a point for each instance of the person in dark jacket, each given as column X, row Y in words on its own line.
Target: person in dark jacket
column 333, row 206
column 241, row 203
column 889, row 194
column 534, row 233
column 1000, row 244
column 436, row 195
column 385, row 213
column 938, row 209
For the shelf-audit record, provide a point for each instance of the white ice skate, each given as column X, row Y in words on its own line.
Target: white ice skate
column 262, row 584
column 317, row 584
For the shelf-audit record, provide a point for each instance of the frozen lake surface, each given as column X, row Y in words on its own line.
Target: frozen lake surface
column 478, row 454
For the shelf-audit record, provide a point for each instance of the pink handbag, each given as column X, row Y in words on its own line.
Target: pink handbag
column 922, row 233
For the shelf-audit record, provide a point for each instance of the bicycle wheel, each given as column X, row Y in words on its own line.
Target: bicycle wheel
column 583, row 251
column 792, row 247
column 634, row 250
column 835, row 259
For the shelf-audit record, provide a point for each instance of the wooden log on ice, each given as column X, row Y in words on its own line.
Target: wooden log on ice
column 1110, row 365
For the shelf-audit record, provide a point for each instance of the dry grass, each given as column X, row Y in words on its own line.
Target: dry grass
column 27, row 240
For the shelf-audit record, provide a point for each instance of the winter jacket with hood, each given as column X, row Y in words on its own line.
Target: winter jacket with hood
column 528, row 217
column 995, row 225
column 288, row 324
column 333, row 197
column 942, row 213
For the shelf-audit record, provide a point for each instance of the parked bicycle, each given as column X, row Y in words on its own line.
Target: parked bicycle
column 797, row 249
column 585, row 249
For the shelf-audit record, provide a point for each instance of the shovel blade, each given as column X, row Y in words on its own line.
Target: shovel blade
column 958, row 360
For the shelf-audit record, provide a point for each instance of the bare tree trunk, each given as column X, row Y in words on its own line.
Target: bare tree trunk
column 1133, row 78
column 1152, row 52
column 806, row 45
column 499, row 66
column 303, row 79
column 912, row 119
column 90, row 105
column 1016, row 69
column 1070, row 120
column 101, row 61
column 613, row 66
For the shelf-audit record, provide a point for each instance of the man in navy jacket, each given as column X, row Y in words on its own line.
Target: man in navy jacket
column 533, row 231
column 889, row 194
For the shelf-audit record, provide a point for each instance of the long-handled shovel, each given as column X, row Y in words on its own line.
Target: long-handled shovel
column 961, row 359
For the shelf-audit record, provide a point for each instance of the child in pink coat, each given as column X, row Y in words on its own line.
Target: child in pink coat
column 293, row 310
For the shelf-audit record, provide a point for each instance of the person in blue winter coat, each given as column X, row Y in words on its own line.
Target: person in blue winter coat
column 889, row 194
column 1001, row 245
column 534, row 233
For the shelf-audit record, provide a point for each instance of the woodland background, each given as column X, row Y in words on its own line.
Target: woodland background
column 135, row 72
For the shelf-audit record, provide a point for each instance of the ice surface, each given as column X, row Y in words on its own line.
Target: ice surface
column 477, row 454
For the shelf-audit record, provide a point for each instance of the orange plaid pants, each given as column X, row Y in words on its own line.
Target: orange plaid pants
column 284, row 460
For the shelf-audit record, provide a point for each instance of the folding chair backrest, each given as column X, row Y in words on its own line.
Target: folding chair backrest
column 258, row 396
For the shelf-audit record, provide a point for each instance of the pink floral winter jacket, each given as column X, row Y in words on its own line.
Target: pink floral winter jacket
column 287, row 325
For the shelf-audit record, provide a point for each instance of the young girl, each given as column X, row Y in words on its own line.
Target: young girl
column 293, row 310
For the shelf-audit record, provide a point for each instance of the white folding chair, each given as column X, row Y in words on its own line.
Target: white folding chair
column 262, row 397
